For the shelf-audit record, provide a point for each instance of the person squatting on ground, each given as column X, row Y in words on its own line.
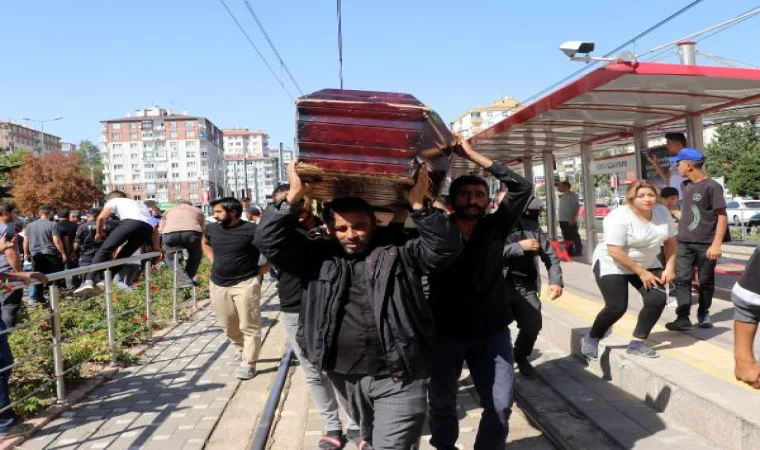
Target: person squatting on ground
column 182, row 227
column 235, row 286
column 633, row 234
column 364, row 319
column 524, row 246
column 133, row 231
column 289, row 290
column 701, row 231
column 746, row 298
column 470, row 306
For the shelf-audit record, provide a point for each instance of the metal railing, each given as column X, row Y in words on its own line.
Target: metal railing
column 55, row 310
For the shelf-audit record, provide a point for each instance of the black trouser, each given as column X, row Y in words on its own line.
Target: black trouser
column 46, row 264
column 10, row 302
column 570, row 233
column 190, row 241
column 690, row 255
column 615, row 292
column 132, row 233
column 526, row 309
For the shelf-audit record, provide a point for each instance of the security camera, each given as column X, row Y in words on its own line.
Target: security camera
column 572, row 48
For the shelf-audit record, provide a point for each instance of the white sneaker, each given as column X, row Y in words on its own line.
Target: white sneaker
column 87, row 289
column 245, row 373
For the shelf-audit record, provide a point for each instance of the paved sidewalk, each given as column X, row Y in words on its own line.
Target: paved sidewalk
column 172, row 399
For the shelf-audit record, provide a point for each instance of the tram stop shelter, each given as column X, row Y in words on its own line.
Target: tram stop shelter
column 614, row 106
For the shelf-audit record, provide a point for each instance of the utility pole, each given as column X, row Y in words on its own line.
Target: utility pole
column 256, row 183
column 280, row 163
column 245, row 176
column 694, row 125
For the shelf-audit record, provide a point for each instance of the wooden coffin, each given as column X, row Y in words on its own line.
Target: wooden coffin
column 369, row 144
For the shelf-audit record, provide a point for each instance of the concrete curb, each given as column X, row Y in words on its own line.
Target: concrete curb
column 719, row 411
column 76, row 395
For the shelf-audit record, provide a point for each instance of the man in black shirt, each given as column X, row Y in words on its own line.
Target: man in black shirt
column 235, row 285
column 364, row 319
column 701, row 230
column 471, row 308
column 67, row 229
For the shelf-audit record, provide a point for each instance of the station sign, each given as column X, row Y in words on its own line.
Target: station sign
column 615, row 164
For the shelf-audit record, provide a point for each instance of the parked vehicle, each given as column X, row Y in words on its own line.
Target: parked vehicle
column 754, row 221
column 601, row 210
column 740, row 211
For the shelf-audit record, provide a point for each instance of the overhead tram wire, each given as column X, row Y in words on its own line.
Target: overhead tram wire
column 250, row 41
column 340, row 42
column 617, row 49
column 271, row 45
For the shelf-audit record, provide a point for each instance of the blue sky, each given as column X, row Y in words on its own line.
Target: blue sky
column 89, row 60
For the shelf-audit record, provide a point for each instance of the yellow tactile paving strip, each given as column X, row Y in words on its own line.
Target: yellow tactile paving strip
column 707, row 357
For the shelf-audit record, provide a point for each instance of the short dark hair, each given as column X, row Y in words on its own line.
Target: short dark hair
column 185, row 202
column 245, row 199
column 564, row 183
column 466, row 180
column 669, row 191
column 229, row 204
column 94, row 212
column 7, row 207
column 116, row 194
column 254, row 211
column 64, row 213
column 676, row 137
column 346, row 204
column 45, row 209
column 150, row 203
column 282, row 187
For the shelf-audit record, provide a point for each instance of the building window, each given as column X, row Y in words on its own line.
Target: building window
column 136, row 167
column 149, row 176
column 115, row 146
column 172, row 135
column 190, row 124
column 116, row 136
column 204, row 154
column 175, row 175
column 192, row 175
column 173, row 145
column 161, row 155
column 190, row 144
column 132, row 136
column 133, row 146
column 193, row 196
column 133, row 125
column 148, row 155
column 193, row 186
column 148, row 165
column 175, row 155
column 135, row 188
column 116, row 126
column 189, row 154
column 118, row 166
column 189, row 134
column 191, row 164
column 136, row 197
column 172, row 124
column 118, row 178
column 117, row 158
column 134, row 155
column 175, row 165
column 177, row 186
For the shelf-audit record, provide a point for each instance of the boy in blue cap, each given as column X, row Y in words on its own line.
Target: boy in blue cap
column 701, row 232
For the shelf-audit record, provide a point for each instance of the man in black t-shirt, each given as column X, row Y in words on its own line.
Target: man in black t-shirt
column 67, row 229
column 700, row 236
column 235, row 285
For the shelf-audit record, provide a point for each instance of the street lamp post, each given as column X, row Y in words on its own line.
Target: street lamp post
column 42, row 130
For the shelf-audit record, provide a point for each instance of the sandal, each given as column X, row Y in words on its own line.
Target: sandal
column 332, row 441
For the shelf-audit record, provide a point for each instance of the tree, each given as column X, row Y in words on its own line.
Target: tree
column 8, row 162
column 734, row 154
column 92, row 161
column 53, row 179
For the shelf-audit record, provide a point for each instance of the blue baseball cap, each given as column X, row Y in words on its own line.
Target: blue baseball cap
column 688, row 154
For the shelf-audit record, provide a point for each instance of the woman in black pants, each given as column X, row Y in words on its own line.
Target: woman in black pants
column 633, row 235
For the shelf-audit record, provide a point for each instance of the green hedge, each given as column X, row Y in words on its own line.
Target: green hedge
column 85, row 343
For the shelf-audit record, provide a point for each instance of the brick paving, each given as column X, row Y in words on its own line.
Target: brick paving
column 171, row 400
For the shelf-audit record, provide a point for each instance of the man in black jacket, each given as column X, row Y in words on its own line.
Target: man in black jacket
column 527, row 242
column 364, row 319
column 470, row 307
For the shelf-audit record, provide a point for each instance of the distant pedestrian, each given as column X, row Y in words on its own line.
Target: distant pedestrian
column 235, row 286
column 525, row 245
column 701, row 231
column 633, row 235
column 45, row 248
column 246, row 203
column 671, row 176
column 182, row 227
column 85, row 245
column 569, row 206
column 746, row 298
column 253, row 214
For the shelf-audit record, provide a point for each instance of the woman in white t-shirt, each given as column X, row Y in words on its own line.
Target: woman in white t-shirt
column 633, row 235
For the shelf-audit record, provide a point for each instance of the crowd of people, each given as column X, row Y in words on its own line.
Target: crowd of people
column 383, row 318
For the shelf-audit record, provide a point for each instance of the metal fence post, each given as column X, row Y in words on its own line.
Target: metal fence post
column 109, row 316
column 55, row 307
column 175, row 286
column 148, row 313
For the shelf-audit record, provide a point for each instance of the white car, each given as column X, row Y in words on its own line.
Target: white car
column 740, row 211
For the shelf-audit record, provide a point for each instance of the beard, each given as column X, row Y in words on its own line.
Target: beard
column 361, row 244
column 224, row 222
column 470, row 212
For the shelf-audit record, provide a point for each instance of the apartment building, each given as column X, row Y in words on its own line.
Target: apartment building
column 14, row 136
column 242, row 141
column 479, row 118
column 254, row 177
column 67, row 147
column 155, row 154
